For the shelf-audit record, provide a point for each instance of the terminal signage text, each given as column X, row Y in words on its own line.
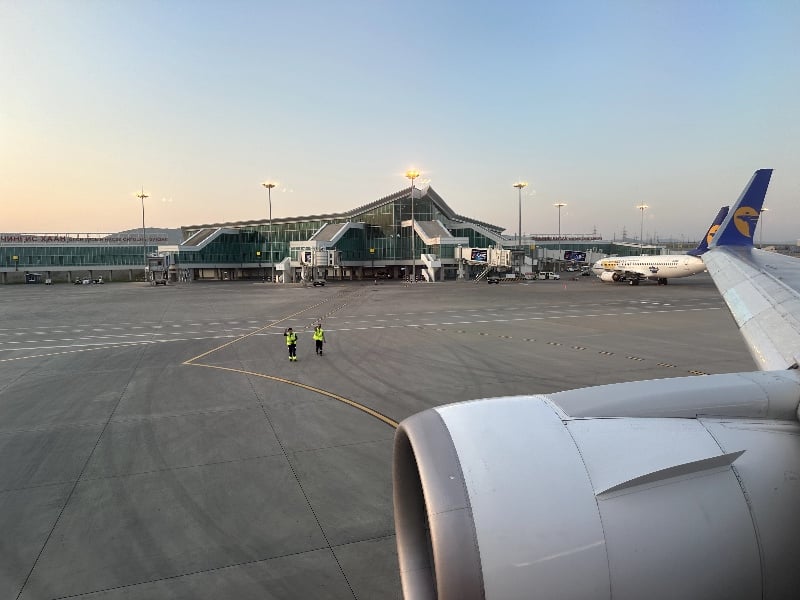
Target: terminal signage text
column 77, row 238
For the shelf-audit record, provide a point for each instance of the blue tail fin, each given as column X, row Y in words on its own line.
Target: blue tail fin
column 739, row 226
column 703, row 245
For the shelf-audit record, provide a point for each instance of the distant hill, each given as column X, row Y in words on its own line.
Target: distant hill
column 173, row 235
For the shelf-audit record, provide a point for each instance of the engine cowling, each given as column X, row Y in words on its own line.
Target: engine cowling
column 609, row 276
column 514, row 498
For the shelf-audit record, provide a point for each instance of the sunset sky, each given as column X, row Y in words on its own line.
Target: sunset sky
column 601, row 105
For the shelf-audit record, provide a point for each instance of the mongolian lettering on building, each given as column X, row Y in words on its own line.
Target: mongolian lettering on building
column 83, row 239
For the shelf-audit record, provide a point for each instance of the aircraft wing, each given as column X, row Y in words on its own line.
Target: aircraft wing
column 762, row 291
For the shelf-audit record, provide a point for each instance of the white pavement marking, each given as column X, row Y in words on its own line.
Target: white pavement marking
column 116, row 341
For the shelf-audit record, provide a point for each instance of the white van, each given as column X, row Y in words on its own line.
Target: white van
column 548, row 275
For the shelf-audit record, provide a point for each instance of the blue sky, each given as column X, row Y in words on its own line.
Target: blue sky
column 601, row 105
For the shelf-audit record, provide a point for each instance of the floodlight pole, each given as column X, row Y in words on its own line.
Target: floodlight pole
column 269, row 185
column 558, row 205
column 642, row 207
column 412, row 174
column 519, row 185
column 141, row 195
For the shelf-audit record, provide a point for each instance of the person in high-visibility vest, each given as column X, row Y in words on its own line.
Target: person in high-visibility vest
column 319, row 338
column 291, row 342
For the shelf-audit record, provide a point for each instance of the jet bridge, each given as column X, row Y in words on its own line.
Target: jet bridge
column 490, row 259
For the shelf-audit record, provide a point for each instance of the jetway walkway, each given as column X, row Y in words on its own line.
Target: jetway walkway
column 434, row 233
column 330, row 233
column 203, row 237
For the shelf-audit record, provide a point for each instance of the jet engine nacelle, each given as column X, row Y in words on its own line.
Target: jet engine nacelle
column 609, row 276
column 515, row 498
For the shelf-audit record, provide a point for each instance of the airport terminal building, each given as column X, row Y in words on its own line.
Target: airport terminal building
column 372, row 241
column 376, row 240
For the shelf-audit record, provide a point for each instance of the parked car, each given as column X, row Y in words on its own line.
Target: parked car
column 317, row 282
column 493, row 279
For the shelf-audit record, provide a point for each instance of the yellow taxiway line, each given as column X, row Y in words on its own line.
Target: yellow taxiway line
column 373, row 413
column 354, row 404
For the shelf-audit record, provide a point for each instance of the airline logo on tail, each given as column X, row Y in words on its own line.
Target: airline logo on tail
column 715, row 224
column 746, row 219
column 715, row 228
column 739, row 227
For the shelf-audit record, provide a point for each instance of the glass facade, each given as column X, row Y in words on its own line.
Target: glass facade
column 381, row 238
column 44, row 256
column 225, row 249
column 476, row 238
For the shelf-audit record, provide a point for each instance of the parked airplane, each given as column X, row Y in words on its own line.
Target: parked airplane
column 660, row 267
column 673, row 488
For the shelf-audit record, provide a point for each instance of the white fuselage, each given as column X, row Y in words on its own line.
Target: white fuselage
column 665, row 266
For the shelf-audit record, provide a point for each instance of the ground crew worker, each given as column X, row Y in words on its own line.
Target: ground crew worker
column 291, row 342
column 319, row 338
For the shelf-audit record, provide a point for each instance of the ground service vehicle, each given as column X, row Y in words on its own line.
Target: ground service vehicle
column 158, row 269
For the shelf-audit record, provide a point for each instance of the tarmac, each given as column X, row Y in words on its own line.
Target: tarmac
column 158, row 443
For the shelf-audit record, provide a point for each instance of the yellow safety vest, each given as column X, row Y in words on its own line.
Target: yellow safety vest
column 319, row 334
column 291, row 338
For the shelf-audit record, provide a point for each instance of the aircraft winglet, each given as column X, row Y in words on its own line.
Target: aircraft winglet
column 702, row 247
column 739, row 226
